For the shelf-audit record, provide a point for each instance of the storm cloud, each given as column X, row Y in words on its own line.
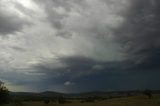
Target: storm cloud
column 79, row 45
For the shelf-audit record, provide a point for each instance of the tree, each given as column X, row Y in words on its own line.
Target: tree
column 4, row 94
column 148, row 93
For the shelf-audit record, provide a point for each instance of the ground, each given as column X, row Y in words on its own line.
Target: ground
column 123, row 101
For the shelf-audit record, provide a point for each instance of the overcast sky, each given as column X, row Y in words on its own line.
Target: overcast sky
column 80, row 45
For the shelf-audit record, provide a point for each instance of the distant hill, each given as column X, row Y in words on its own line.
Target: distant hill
column 30, row 96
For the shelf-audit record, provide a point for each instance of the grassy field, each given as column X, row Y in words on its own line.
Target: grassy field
column 124, row 101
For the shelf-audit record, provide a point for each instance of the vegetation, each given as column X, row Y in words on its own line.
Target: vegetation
column 63, row 100
column 131, row 98
column 148, row 93
column 17, row 101
column 4, row 94
column 89, row 99
column 139, row 100
column 46, row 101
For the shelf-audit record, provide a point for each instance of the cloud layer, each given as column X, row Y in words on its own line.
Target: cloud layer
column 79, row 45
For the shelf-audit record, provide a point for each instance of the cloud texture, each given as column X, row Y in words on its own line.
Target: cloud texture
column 79, row 45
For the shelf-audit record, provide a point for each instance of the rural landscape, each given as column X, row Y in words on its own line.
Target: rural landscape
column 79, row 52
column 96, row 98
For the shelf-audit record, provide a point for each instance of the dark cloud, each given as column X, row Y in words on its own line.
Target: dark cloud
column 117, row 81
column 76, row 67
column 85, row 74
column 139, row 34
column 72, row 64
column 123, row 75
column 88, row 74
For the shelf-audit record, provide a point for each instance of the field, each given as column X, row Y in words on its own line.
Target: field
column 123, row 101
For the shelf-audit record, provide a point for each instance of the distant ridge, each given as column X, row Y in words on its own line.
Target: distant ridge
column 53, row 94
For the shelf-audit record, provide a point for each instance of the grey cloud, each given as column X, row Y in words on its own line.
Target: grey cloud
column 26, row 11
column 16, row 77
column 68, row 83
column 88, row 21
column 53, row 16
column 10, row 22
column 57, row 11
column 66, row 4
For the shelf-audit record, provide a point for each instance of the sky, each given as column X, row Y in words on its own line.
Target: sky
column 79, row 45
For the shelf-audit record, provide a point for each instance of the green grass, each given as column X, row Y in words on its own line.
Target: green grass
column 124, row 101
